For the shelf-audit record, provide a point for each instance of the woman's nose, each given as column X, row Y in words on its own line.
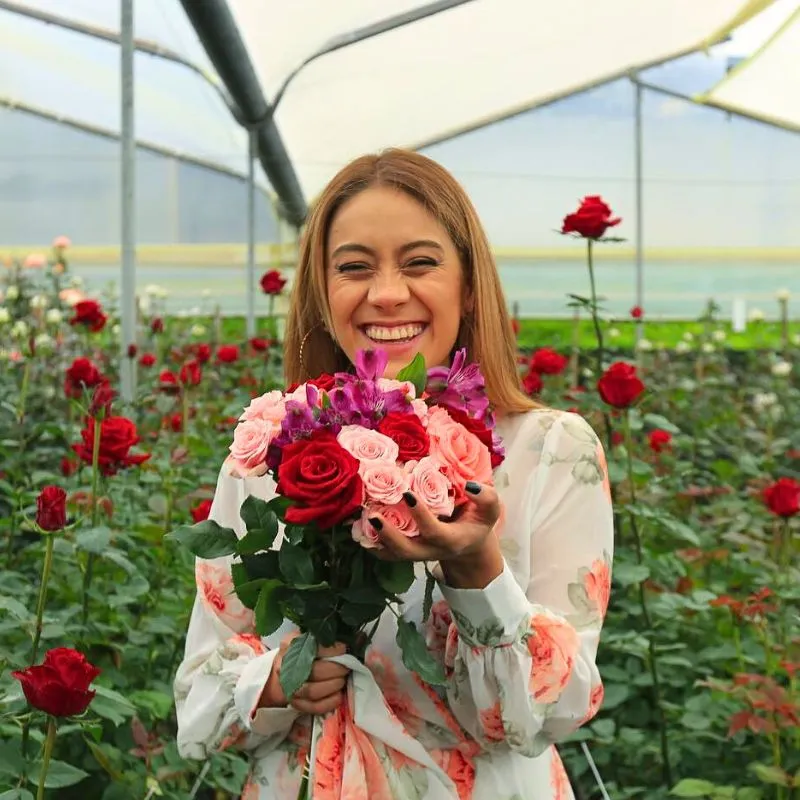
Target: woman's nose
column 388, row 290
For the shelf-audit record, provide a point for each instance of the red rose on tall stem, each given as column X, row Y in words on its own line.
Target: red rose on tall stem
column 228, row 353
column 60, row 685
column 783, row 497
column 51, row 508
column 201, row 511
column 659, row 440
column 320, row 475
column 202, row 352
column 259, row 345
column 532, row 383
column 272, row 282
column 409, row 434
column 89, row 313
column 117, row 436
column 547, row 361
column 147, row 360
column 636, row 312
column 620, row 386
column 190, row 374
column 82, row 373
column 592, row 219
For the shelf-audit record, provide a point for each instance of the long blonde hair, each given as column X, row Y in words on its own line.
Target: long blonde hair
column 486, row 332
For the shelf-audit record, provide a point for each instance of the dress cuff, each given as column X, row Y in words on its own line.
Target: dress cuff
column 492, row 616
column 262, row 721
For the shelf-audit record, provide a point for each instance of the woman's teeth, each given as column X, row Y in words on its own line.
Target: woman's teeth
column 396, row 334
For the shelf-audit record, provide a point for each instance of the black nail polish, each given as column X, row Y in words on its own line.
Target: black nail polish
column 376, row 523
column 410, row 499
column 472, row 487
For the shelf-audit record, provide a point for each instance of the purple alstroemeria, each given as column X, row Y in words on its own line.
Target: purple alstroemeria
column 299, row 423
column 371, row 364
column 363, row 402
column 459, row 386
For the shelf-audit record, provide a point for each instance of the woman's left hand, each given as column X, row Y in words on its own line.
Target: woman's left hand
column 466, row 536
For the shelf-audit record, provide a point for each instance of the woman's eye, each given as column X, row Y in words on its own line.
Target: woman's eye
column 423, row 262
column 352, row 266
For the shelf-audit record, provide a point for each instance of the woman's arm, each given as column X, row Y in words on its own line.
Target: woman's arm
column 226, row 666
column 521, row 662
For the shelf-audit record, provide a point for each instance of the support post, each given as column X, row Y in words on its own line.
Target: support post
column 127, row 205
column 252, row 155
column 639, row 204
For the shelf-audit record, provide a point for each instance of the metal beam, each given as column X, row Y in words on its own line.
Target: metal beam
column 219, row 34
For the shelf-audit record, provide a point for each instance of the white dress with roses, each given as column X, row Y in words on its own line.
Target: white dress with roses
column 519, row 655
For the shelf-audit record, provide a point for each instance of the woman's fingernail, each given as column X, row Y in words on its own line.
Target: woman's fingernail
column 472, row 487
column 376, row 523
column 410, row 499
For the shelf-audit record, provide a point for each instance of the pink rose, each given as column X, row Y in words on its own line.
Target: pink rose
column 431, row 486
column 389, row 385
column 553, row 644
column 367, row 445
column 461, row 453
column 399, row 516
column 363, row 533
column 384, row 481
column 300, row 395
column 270, row 407
column 249, row 449
column 420, row 408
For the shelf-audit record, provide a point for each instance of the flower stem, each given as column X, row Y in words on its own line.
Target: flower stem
column 87, row 576
column 185, row 409
column 48, row 751
column 651, row 648
column 23, row 392
column 595, row 319
column 40, row 603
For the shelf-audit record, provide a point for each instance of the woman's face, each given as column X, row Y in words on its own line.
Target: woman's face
column 395, row 281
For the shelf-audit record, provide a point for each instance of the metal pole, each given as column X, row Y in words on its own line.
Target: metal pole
column 639, row 204
column 252, row 155
column 127, row 205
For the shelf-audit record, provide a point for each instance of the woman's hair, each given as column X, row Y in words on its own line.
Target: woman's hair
column 486, row 330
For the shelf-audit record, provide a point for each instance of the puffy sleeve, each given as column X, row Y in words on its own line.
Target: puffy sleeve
column 521, row 658
column 226, row 665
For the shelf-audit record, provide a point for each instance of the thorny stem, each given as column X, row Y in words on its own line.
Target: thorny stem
column 652, row 658
column 48, row 751
column 87, row 576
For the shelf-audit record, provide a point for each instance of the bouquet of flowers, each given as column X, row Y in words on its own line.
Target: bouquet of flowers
column 342, row 449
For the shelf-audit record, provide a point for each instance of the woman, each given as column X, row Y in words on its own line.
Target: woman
column 394, row 256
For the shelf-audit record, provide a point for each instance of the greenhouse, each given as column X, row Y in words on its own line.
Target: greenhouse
column 272, row 273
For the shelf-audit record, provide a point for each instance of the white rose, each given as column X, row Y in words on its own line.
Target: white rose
column 719, row 336
column 708, row 347
column 783, row 295
column 763, row 400
column 54, row 316
column 613, row 333
column 755, row 315
column 44, row 341
column 780, row 369
column 644, row 345
column 198, row 330
column 682, row 347
column 38, row 301
column 5, row 316
column 688, row 337
column 20, row 329
column 12, row 293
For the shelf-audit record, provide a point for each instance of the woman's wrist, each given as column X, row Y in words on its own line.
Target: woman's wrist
column 474, row 570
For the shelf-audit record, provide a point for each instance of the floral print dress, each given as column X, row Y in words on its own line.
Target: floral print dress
column 519, row 655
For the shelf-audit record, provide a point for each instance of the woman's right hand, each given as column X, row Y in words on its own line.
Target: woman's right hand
column 321, row 693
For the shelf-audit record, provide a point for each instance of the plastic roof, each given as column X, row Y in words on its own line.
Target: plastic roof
column 766, row 86
column 425, row 82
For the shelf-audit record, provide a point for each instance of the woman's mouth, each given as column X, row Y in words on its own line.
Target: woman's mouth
column 394, row 335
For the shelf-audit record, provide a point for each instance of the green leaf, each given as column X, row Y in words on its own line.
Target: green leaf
column 103, row 760
column 257, row 539
column 363, row 595
column 358, row 614
column 158, row 704
column 427, row 602
column 767, row 773
column 279, row 506
column 296, row 564
column 205, row 539
column 395, row 577
column 249, row 591
column 615, row 695
column 16, row 794
column 617, row 472
column 15, row 608
column 59, row 774
column 269, row 616
column 263, row 565
column 692, row 787
column 294, row 533
column 93, row 540
column 627, row 574
column 111, row 705
column 297, row 663
column 416, row 373
column 657, row 421
column 751, row 793
column 416, row 656
column 256, row 514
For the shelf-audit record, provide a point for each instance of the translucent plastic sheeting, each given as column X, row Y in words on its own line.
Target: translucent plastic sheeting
column 767, row 85
column 67, row 75
column 454, row 71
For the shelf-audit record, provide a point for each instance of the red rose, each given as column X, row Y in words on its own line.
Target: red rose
column 591, row 220
column 272, row 282
column 259, row 345
column 168, row 381
column 157, row 325
column 51, row 508
column 90, row 314
column 69, row 466
column 228, row 353
column 783, row 497
column 659, row 440
column 636, row 312
column 132, row 350
column 532, row 383
column 190, row 374
column 409, row 434
column 617, row 438
column 325, row 382
column 479, row 429
column 175, row 422
column 117, row 436
column 619, row 385
column 320, row 475
column 102, row 398
column 147, row 360
column 547, row 362
column 59, row 686
column 203, row 352
column 82, row 373
column 201, row 511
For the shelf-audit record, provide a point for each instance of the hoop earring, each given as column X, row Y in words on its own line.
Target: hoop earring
column 303, row 346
